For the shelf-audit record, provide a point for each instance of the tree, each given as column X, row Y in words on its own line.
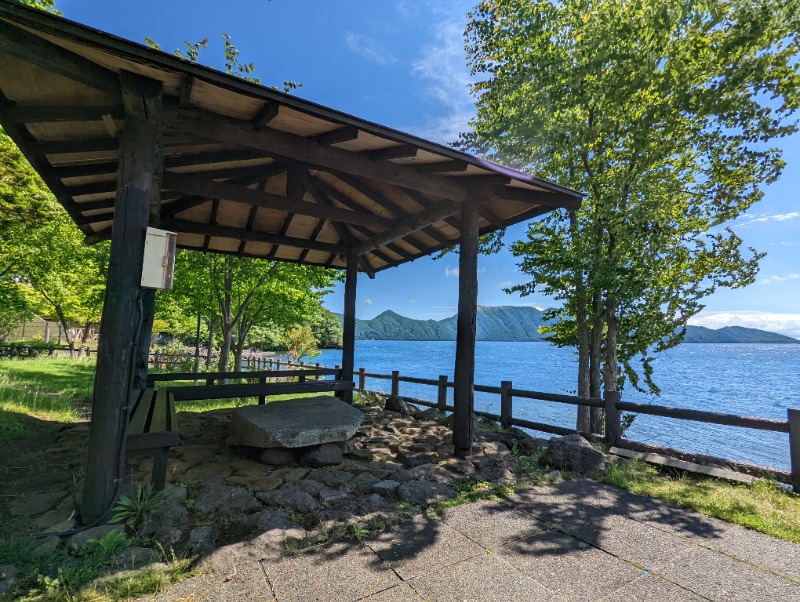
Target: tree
column 300, row 342
column 662, row 111
column 327, row 329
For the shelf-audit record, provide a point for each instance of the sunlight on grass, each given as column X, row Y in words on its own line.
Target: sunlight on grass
column 42, row 388
column 763, row 506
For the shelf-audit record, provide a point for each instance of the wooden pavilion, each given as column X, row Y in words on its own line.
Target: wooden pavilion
column 128, row 137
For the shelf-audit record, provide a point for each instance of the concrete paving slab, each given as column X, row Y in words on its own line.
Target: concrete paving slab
column 331, row 573
column 480, row 579
column 421, row 546
column 630, row 540
column 652, row 588
column 718, row 577
column 569, row 567
column 245, row 582
column 398, row 593
column 490, row 524
column 775, row 555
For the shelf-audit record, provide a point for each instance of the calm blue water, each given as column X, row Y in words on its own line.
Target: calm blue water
column 751, row 379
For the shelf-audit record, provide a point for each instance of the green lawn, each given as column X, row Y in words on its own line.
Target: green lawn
column 49, row 389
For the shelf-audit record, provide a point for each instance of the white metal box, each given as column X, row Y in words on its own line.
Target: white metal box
column 159, row 259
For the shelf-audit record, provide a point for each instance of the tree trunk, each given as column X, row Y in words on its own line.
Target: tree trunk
column 583, row 422
column 610, row 367
column 595, row 365
column 210, row 346
column 63, row 320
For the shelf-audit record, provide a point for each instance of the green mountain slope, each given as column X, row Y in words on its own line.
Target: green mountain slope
column 521, row 324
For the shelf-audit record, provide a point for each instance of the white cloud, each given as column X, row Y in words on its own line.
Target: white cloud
column 788, row 324
column 412, row 301
column 368, row 301
column 481, row 270
column 369, row 49
column 451, row 272
column 779, row 278
column 506, row 284
column 761, row 218
column 443, row 67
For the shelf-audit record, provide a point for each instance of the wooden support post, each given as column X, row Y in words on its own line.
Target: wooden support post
column 613, row 430
column 279, row 365
column 349, row 324
column 395, row 384
column 506, row 404
column 262, row 399
column 270, row 365
column 441, row 399
column 464, row 379
column 794, row 446
column 146, row 335
column 139, row 167
column 362, row 379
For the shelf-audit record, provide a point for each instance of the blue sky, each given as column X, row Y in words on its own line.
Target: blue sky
column 401, row 63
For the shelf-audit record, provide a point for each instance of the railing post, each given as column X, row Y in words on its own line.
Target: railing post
column 395, row 383
column 612, row 417
column 362, row 379
column 506, row 403
column 794, row 445
column 270, row 365
column 262, row 399
column 279, row 365
column 318, row 377
column 441, row 400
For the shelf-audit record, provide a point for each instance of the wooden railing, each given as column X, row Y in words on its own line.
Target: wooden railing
column 613, row 406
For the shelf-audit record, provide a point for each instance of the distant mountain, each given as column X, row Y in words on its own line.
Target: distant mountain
column 521, row 324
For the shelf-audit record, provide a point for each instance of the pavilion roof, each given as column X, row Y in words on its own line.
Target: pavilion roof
column 247, row 170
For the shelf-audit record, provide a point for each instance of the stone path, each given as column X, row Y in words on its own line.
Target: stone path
column 575, row 540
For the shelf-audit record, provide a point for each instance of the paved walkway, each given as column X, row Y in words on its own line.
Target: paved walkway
column 577, row 540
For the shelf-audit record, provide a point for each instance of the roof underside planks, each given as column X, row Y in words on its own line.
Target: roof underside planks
column 247, row 170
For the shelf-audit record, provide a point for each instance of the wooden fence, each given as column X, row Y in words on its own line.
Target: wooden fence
column 613, row 406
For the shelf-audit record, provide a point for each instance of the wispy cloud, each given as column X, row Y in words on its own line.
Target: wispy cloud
column 505, row 284
column 776, row 278
column 788, row 324
column 443, row 67
column 369, row 49
column 451, row 272
column 412, row 301
column 761, row 218
column 368, row 301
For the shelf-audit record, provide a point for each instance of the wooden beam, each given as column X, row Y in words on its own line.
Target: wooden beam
column 464, row 377
column 251, row 218
column 187, row 83
column 122, row 311
column 265, row 114
column 408, row 226
column 349, row 322
column 233, row 131
column 343, row 134
column 441, row 167
column 198, row 185
column 58, row 113
column 212, row 222
column 32, row 49
column 60, row 147
column 96, row 237
column 403, row 151
column 314, row 235
column 551, row 199
column 189, row 227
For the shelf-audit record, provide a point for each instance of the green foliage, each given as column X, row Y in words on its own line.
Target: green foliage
column 327, row 329
column 663, row 112
column 135, row 511
column 359, row 533
column 300, row 342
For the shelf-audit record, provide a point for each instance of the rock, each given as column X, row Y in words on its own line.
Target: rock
column 169, row 515
column 210, row 471
column 255, row 482
column 80, row 538
column 277, row 456
column 292, row 499
column 53, row 520
column 387, row 489
column 371, row 503
column 423, row 493
column 573, row 452
column 488, row 460
column 309, row 486
column 8, row 576
column 168, row 536
column 495, row 448
column 430, row 414
column 290, row 474
column 349, row 445
column 432, row 472
column 173, row 493
column 327, row 454
column 217, row 496
column 294, row 423
column 554, row 474
column 530, row 445
column 364, row 481
column 202, row 539
column 330, row 496
column 410, row 459
column 37, row 504
column 398, row 404
column 48, row 545
column 136, row 558
column 332, row 478
column 464, row 467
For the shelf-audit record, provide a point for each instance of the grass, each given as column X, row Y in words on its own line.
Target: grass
column 763, row 506
column 48, row 389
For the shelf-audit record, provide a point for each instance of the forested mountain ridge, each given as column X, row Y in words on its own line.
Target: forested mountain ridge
column 521, row 324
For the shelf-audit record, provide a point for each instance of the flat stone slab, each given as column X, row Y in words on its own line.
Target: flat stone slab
column 299, row 422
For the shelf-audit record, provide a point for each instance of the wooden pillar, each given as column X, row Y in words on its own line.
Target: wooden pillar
column 794, row 446
column 464, row 379
column 506, row 404
column 349, row 325
column 139, row 165
column 613, row 427
column 441, row 397
column 148, row 307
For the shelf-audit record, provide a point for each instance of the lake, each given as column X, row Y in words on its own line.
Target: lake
column 747, row 379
